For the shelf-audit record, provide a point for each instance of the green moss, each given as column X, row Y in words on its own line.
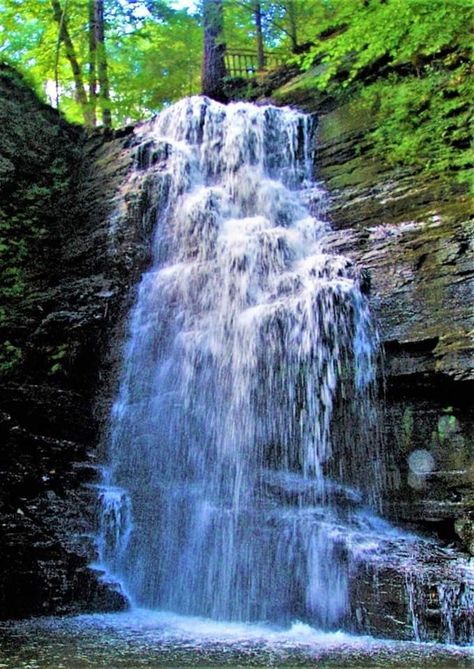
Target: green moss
column 302, row 90
column 352, row 173
column 447, row 426
column 57, row 357
column 10, row 357
column 303, row 82
column 349, row 118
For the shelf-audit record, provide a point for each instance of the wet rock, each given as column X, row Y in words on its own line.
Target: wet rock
column 421, row 291
column 464, row 528
column 61, row 326
column 414, row 236
column 426, row 594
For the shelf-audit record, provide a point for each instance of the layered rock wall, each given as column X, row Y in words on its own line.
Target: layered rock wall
column 64, row 282
column 414, row 235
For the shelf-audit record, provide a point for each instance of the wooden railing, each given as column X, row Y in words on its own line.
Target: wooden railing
column 241, row 63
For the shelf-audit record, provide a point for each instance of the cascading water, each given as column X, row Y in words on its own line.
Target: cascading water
column 242, row 441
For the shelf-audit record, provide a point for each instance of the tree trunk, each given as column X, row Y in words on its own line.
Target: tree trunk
column 81, row 95
column 104, row 91
column 257, row 12
column 291, row 9
column 92, row 63
column 213, row 66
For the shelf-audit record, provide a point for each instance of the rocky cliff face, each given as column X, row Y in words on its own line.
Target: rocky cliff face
column 64, row 334
column 414, row 235
column 62, row 283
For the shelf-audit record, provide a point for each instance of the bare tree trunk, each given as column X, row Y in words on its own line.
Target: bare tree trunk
column 213, row 66
column 58, row 49
column 92, row 62
column 257, row 12
column 81, row 95
column 104, row 90
column 291, row 9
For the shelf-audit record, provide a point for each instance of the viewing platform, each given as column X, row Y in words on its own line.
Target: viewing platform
column 244, row 63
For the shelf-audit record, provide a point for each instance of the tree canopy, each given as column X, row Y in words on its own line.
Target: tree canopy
column 407, row 60
column 153, row 52
column 153, row 48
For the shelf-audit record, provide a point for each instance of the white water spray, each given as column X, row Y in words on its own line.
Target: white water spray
column 234, row 482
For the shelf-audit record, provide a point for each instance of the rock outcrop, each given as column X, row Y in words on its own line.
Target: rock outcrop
column 414, row 236
column 61, row 287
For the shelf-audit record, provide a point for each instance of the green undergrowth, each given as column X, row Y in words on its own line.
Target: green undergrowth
column 408, row 65
column 424, row 121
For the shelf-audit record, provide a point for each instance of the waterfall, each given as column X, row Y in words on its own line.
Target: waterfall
column 243, row 449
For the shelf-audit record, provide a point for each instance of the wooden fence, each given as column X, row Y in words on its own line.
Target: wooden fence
column 241, row 63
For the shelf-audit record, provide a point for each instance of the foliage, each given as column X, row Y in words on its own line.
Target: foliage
column 360, row 33
column 280, row 18
column 409, row 63
column 57, row 357
column 425, row 120
column 10, row 357
column 155, row 62
column 153, row 52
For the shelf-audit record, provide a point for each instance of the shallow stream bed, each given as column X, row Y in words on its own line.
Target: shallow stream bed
column 150, row 639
